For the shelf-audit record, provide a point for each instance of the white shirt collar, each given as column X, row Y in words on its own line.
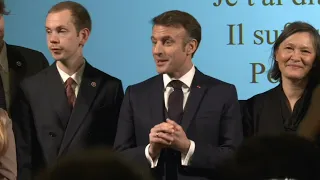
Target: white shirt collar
column 186, row 79
column 3, row 58
column 77, row 76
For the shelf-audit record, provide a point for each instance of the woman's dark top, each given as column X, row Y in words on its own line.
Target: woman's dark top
column 269, row 112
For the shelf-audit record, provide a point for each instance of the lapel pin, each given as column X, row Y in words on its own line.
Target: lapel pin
column 198, row 87
column 93, row 84
column 18, row 63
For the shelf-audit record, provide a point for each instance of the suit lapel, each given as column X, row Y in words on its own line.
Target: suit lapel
column 58, row 98
column 197, row 91
column 17, row 69
column 156, row 100
column 88, row 89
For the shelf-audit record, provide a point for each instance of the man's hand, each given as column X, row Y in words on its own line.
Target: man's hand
column 180, row 142
column 160, row 136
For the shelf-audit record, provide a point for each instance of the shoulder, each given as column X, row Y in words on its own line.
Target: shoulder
column 264, row 95
column 146, row 84
column 96, row 73
column 34, row 58
column 217, row 86
column 214, row 82
column 262, row 100
column 33, row 80
column 23, row 50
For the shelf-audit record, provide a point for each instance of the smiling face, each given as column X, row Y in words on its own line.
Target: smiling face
column 171, row 50
column 296, row 55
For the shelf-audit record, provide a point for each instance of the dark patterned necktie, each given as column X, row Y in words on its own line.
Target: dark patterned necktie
column 70, row 92
column 175, row 113
column 175, row 101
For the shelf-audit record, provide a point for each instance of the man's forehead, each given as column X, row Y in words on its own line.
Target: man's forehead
column 59, row 22
column 171, row 31
column 63, row 16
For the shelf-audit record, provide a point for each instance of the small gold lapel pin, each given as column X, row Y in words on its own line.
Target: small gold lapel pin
column 93, row 84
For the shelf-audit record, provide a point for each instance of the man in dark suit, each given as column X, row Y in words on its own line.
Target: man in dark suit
column 70, row 105
column 180, row 123
column 16, row 63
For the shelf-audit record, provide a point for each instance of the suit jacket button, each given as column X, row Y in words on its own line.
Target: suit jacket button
column 52, row 134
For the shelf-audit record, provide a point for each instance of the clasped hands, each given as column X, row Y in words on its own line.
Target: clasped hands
column 167, row 134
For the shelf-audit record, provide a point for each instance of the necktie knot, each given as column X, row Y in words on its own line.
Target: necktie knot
column 176, row 84
column 70, row 82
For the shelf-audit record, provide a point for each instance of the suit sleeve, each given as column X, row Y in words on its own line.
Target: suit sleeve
column 207, row 156
column 22, row 128
column 125, row 141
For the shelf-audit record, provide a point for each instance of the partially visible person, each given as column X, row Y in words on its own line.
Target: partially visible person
column 310, row 126
column 296, row 56
column 8, row 161
column 68, row 106
column 16, row 63
column 283, row 156
column 95, row 164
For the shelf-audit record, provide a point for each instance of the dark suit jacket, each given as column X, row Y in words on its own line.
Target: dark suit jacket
column 23, row 62
column 211, row 119
column 42, row 126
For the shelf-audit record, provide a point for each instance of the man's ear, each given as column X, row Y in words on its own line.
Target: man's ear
column 191, row 46
column 84, row 36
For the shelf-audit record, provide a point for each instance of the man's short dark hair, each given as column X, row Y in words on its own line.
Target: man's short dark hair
column 80, row 14
column 176, row 18
column 3, row 10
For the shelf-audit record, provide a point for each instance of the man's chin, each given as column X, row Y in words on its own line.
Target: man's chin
column 162, row 70
column 58, row 58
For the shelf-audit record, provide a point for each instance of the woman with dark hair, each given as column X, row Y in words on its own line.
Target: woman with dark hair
column 295, row 56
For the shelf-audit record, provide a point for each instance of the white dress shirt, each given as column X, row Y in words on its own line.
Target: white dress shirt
column 4, row 71
column 187, row 80
column 77, row 77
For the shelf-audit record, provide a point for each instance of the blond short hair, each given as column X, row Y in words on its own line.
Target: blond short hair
column 4, row 121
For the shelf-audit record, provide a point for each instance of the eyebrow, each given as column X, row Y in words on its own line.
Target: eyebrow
column 58, row 27
column 162, row 38
column 303, row 46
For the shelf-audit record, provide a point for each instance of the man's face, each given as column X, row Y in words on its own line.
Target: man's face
column 170, row 49
column 63, row 40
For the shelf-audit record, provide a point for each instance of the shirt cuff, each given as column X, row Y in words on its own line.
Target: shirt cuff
column 152, row 162
column 185, row 159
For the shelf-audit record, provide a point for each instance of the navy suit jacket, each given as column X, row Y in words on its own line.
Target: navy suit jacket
column 211, row 119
